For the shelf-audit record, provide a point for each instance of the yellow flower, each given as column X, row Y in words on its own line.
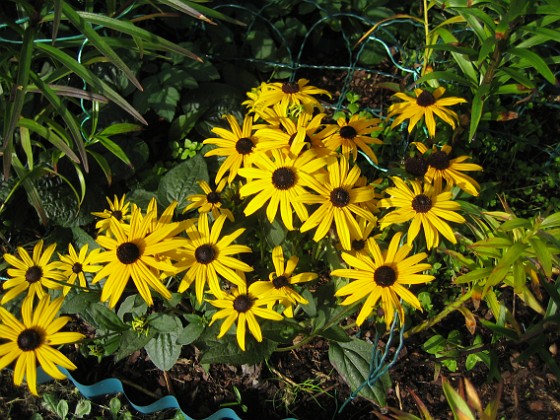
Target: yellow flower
column 424, row 105
column 280, row 181
column 32, row 341
column 237, row 144
column 359, row 243
column 243, row 306
column 339, row 199
column 119, row 211
column 74, row 266
column 290, row 94
column 382, row 278
column 280, row 281
column 135, row 254
column 427, row 208
column 210, row 201
column 31, row 273
column 354, row 134
column 442, row 167
column 206, row 255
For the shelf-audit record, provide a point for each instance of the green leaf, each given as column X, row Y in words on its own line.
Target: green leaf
column 83, row 408
column 352, row 361
column 474, row 275
column 192, row 331
column 335, row 333
column 80, row 302
column 50, row 136
column 543, row 255
column 435, row 344
column 134, row 306
column 115, row 406
column 226, row 350
column 465, row 65
column 275, row 234
column 445, row 76
column 164, row 350
column 535, row 61
column 515, row 223
column 477, row 107
column 62, row 409
column 90, row 78
column 101, row 316
column 182, row 181
column 97, row 41
column 165, row 323
column 551, row 221
column 130, row 341
column 114, row 148
column 505, row 265
column 120, row 128
column 459, row 407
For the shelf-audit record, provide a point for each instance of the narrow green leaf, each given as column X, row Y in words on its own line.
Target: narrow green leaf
column 120, row 128
column 114, row 148
column 505, row 265
column 551, row 221
column 215, row 14
column 22, row 80
column 25, row 140
column 57, row 5
column 50, row 136
column 481, row 23
column 91, row 79
column 543, row 255
column 95, row 39
column 465, row 65
column 496, row 242
column 444, row 76
column 519, row 277
column 474, row 275
column 535, row 61
column 518, row 76
column 130, row 29
column 25, row 178
column 104, row 165
column 477, row 107
column 459, row 407
column 515, row 223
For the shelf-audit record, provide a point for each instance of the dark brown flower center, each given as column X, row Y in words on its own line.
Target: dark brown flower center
column 280, row 281
column 348, row 132
column 77, row 268
column 290, row 87
column 425, row 99
column 205, row 254
column 242, row 303
column 283, row 178
column 29, row 339
column 384, row 276
column 358, row 244
column 33, row 274
column 128, row 252
column 117, row 214
column 244, row 146
column 422, row 203
column 213, row 197
column 340, row 197
column 416, row 166
column 439, row 160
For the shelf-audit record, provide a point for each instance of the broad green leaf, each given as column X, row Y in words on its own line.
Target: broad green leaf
column 352, row 361
column 165, row 323
column 535, row 61
column 192, row 331
column 22, row 80
column 78, row 303
column 62, row 409
column 134, row 31
column 83, row 408
column 435, row 344
column 50, row 136
column 226, row 350
column 103, row 317
column 163, row 350
column 182, row 181
column 97, row 41
column 90, row 78
column 543, row 255
column 335, row 333
column 275, row 234
column 459, row 407
column 130, row 341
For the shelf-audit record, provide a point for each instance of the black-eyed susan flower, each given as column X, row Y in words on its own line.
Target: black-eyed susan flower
column 207, row 254
column 426, row 208
column 74, row 266
column 33, row 339
column 381, row 278
column 281, row 281
column 339, row 200
column 119, row 211
column 238, row 145
column 210, row 201
column 424, row 105
column 442, row 167
column 31, row 273
column 135, row 254
column 244, row 306
column 299, row 93
column 358, row 246
column 352, row 135
column 279, row 179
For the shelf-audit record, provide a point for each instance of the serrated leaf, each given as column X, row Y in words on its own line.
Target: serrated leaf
column 182, row 181
column 163, row 350
column 80, row 302
column 227, row 351
column 165, row 323
column 103, row 317
column 352, row 361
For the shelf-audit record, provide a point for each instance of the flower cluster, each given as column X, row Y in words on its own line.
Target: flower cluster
column 288, row 161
